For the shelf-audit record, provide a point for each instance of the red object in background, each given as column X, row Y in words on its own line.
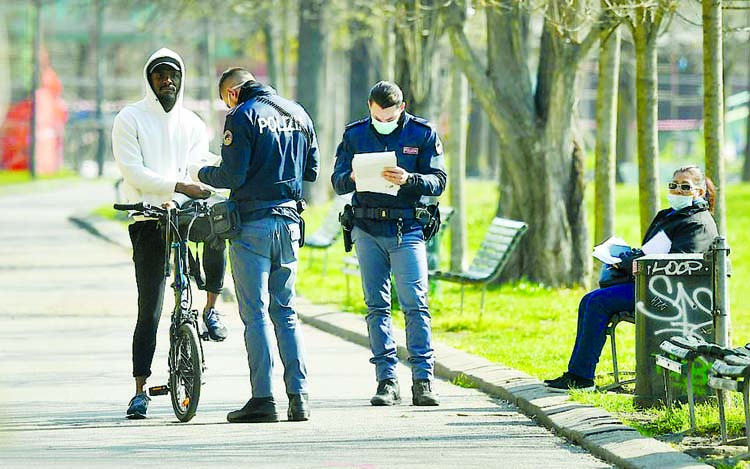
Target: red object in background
column 15, row 133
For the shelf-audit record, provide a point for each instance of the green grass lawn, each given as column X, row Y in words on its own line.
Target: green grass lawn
column 530, row 327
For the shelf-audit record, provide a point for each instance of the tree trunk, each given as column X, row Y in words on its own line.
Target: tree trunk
column 361, row 73
column 310, row 69
column 606, row 136
column 626, row 134
column 713, row 106
column 746, row 164
column 457, row 168
column 535, row 128
column 269, row 36
column 4, row 70
column 646, row 84
column 476, row 150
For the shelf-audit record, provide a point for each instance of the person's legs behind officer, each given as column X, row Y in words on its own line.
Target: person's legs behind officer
column 214, row 265
column 250, row 256
column 375, row 270
column 409, row 265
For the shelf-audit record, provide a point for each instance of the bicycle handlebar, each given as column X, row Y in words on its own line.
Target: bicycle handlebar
column 140, row 206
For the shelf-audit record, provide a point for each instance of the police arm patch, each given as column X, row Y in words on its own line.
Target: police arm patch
column 227, row 137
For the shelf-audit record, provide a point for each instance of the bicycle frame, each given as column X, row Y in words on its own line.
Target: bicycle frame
column 186, row 361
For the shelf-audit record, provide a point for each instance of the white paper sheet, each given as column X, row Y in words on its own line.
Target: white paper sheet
column 607, row 251
column 368, row 169
column 659, row 244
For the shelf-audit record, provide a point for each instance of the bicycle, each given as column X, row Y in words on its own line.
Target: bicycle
column 185, row 359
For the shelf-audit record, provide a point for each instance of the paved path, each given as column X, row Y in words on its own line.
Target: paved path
column 65, row 327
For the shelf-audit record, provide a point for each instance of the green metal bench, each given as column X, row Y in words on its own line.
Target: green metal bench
column 499, row 242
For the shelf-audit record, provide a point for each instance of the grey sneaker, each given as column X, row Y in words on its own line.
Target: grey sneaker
column 422, row 393
column 138, row 406
column 216, row 329
column 388, row 393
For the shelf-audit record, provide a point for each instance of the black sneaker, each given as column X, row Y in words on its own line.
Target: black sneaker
column 257, row 409
column 299, row 409
column 422, row 393
column 215, row 328
column 570, row 381
column 388, row 393
column 138, row 406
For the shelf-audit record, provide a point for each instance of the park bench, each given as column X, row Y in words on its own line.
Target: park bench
column 499, row 242
column 330, row 229
column 730, row 371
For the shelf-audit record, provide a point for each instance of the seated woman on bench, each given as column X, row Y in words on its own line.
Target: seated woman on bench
column 689, row 225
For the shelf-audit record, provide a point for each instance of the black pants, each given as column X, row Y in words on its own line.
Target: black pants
column 147, row 238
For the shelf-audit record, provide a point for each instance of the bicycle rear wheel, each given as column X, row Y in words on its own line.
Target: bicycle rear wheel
column 185, row 373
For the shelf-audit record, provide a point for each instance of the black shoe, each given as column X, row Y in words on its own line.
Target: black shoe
column 257, row 409
column 388, row 393
column 299, row 409
column 570, row 381
column 422, row 393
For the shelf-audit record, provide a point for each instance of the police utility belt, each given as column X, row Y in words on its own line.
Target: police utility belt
column 428, row 216
column 385, row 213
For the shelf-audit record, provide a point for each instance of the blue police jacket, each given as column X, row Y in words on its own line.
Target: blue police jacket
column 265, row 155
column 418, row 150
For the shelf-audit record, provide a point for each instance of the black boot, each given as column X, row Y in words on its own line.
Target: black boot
column 388, row 393
column 257, row 409
column 422, row 393
column 299, row 409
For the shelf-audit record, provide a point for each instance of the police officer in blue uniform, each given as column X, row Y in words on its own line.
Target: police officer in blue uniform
column 269, row 149
column 388, row 237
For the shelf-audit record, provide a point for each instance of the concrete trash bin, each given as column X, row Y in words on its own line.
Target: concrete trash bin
column 673, row 296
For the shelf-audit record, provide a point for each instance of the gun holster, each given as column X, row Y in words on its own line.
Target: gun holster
column 346, row 218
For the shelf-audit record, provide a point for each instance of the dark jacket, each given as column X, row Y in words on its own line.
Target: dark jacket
column 418, row 150
column 265, row 155
column 691, row 230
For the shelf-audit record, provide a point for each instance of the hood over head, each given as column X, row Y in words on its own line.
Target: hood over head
column 171, row 58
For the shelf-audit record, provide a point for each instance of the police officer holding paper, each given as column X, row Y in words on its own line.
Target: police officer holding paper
column 388, row 236
column 269, row 148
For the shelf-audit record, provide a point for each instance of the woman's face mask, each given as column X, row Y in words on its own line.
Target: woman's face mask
column 682, row 191
column 678, row 202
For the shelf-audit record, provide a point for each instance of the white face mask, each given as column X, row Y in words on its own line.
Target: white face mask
column 384, row 128
column 678, row 202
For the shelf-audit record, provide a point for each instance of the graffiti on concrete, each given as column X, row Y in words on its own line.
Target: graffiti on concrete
column 681, row 310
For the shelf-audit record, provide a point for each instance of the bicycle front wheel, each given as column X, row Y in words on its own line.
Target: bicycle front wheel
column 185, row 372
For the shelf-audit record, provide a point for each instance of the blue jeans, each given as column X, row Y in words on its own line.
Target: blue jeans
column 264, row 268
column 594, row 313
column 379, row 256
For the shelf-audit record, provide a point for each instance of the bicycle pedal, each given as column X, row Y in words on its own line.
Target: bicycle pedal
column 205, row 337
column 162, row 390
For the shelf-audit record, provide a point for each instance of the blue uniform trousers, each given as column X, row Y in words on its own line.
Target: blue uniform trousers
column 594, row 313
column 264, row 268
column 379, row 256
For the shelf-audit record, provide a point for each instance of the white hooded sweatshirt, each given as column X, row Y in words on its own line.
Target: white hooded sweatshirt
column 155, row 149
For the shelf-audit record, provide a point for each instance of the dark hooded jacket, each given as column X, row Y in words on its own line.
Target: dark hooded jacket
column 266, row 155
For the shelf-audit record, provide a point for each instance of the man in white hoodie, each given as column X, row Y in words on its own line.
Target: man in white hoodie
column 157, row 144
